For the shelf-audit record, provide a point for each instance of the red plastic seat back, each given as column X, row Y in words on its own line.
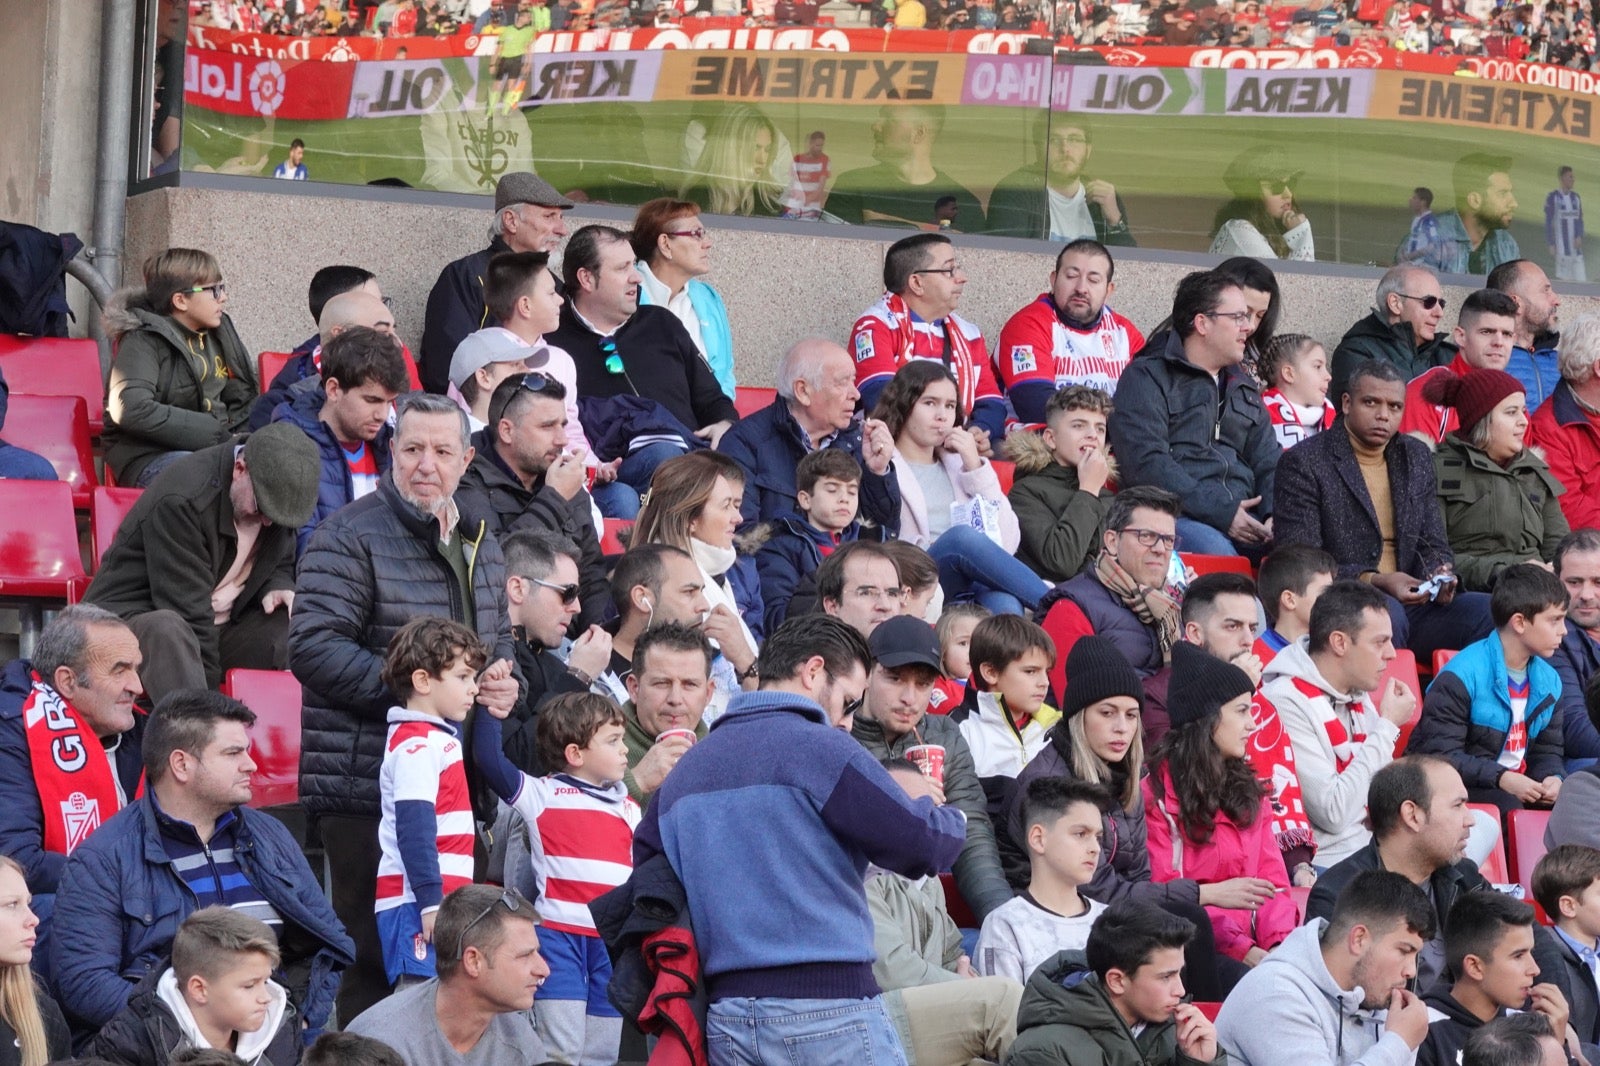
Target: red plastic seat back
column 1006, row 472
column 747, row 401
column 39, row 553
column 56, row 366
column 954, row 902
column 614, row 538
column 1440, row 657
column 1217, row 564
column 274, row 696
column 107, row 508
column 1404, row 668
column 1495, row 869
column 269, row 363
column 1525, row 830
column 56, row 427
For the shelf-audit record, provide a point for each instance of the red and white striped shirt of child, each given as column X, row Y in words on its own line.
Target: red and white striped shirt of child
column 422, row 767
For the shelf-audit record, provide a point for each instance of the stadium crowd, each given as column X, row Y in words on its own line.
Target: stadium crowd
column 1053, row 700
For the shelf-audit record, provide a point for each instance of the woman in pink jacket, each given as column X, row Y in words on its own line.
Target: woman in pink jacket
column 1207, row 813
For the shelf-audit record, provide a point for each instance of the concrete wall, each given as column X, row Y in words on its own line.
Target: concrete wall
column 779, row 286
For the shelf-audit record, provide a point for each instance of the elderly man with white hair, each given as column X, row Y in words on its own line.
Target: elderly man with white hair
column 815, row 408
column 1567, row 425
column 1403, row 328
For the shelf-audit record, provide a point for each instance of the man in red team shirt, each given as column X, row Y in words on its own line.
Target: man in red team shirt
column 1068, row 336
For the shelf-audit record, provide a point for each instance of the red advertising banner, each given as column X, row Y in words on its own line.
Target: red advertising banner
column 289, row 89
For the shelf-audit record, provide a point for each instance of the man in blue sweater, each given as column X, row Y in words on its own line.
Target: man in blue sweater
column 770, row 823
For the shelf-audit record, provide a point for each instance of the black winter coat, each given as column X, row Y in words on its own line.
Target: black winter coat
column 455, row 308
column 146, row 1033
column 370, row 569
column 58, row 1038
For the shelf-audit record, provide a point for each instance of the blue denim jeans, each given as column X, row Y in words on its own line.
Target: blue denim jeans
column 1201, row 539
column 784, row 1032
column 617, row 499
column 640, row 466
column 973, row 567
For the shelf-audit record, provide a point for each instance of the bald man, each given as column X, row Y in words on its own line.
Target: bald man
column 815, row 409
column 360, row 306
column 1402, row 329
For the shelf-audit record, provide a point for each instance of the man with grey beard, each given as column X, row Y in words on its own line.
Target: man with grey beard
column 401, row 552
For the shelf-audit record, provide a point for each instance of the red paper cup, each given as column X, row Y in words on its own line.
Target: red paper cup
column 929, row 759
column 687, row 734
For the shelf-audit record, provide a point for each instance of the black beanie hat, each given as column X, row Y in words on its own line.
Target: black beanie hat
column 1201, row 683
column 1096, row 670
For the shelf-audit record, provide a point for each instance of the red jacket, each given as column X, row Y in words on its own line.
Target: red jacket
column 1570, row 440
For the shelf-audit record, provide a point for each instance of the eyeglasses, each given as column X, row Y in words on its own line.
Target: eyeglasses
column 1149, row 538
column 873, row 592
column 569, row 593
column 698, row 234
column 608, row 348
column 1242, row 319
column 950, row 271
column 1428, row 302
column 217, row 291
column 513, row 904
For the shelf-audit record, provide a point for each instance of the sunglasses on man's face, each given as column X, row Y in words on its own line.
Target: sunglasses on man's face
column 568, row 593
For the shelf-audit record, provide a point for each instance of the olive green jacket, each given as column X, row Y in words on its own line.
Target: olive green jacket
column 1496, row 516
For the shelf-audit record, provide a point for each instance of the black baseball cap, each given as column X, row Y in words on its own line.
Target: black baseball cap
column 905, row 641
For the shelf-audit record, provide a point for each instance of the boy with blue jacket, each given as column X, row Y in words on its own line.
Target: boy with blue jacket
column 827, row 491
column 1494, row 710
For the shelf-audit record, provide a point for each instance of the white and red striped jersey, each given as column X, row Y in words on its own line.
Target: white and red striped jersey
column 581, row 839
column 422, row 764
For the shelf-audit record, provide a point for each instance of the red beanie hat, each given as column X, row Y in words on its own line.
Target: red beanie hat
column 1473, row 394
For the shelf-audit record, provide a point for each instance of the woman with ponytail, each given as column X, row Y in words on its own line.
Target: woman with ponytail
column 32, row 1030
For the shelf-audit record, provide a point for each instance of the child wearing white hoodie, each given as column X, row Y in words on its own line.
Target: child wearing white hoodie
column 218, row 993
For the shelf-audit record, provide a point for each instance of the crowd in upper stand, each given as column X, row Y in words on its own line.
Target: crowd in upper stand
column 933, row 609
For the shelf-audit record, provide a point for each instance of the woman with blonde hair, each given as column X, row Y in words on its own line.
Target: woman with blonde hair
column 734, row 172
column 693, row 504
column 32, row 1029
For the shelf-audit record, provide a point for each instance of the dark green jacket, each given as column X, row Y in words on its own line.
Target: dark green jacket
column 1496, row 516
column 155, row 400
column 1374, row 338
column 1060, row 523
column 1067, row 1020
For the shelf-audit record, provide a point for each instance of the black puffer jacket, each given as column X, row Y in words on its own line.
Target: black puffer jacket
column 147, row 1033
column 371, row 568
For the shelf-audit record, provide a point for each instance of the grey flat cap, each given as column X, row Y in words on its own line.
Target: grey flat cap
column 522, row 187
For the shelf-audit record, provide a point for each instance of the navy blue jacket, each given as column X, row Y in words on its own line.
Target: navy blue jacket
column 744, row 581
column 792, row 554
column 121, row 902
column 455, row 309
column 1576, row 661
column 335, row 487
column 21, row 818
column 769, row 444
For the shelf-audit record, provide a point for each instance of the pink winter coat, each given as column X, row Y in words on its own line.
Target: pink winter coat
column 1232, row 851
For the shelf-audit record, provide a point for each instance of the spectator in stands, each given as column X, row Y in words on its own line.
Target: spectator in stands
column 522, row 293
column 1260, row 287
column 953, row 506
column 1262, row 219
column 942, row 1010
column 651, row 584
column 1484, row 470
column 808, row 193
column 860, row 585
column 527, row 218
column 1423, row 238
column 1063, row 819
column 1492, row 710
column 1162, row 434
column 1403, row 328
column 477, row 1010
column 1565, row 429
column 1122, row 1000
column 674, row 253
column 1515, row 1040
column 1341, row 720
column 1367, row 493
column 748, row 890
column 742, row 165
column 1322, row 996
column 19, row 463
column 901, row 188
column 827, row 484
column 28, row 1014
column 1068, row 336
column 217, row 993
column 1219, row 616
column 348, row 1049
column 326, row 283
column 623, row 349
column 1488, row 945
column 1289, row 583
column 669, row 690
column 182, row 379
column 1054, row 198
column 1563, row 883
column 1006, row 714
column 1533, row 358
column 954, row 629
column 202, row 568
column 403, row 551
column 814, row 408
column 190, row 841
column 482, row 361
column 1294, row 369
column 1483, row 337
column 73, row 699
column 1123, row 596
column 346, row 415
column 894, row 720
column 919, row 581
column 523, row 478
column 1577, row 564
column 915, row 320
column 1476, row 237
column 1059, row 494
column 1563, row 227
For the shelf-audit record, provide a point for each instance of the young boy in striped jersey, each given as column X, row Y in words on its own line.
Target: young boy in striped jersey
column 425, row 833
column 580, row 832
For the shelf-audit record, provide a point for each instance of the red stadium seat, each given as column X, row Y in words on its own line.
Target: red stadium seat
column 1302, row 899
column 57, row 427
column 274, row 696
column 954, row 902
column 1210, row 1010
column 56, row 366
column 1495, row 868
column 40, row 558
column 749, row 400
column 1525, row 831
column 1217, row 564
column 107, row 508
column 1006, row 472
column 1440, row 657
column 268, row 365
column 1404, row 667
column 614, row 538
